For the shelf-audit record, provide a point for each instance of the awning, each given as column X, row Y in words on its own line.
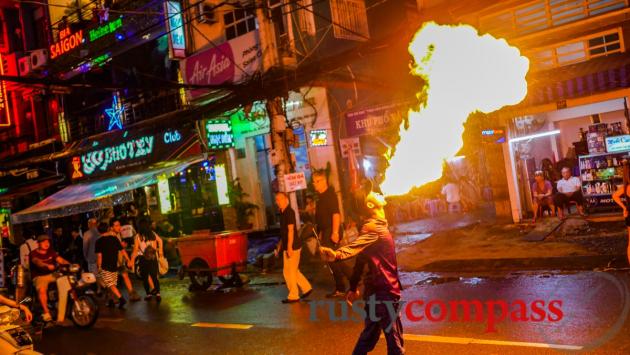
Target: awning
column 30, row 188
column 91, row 196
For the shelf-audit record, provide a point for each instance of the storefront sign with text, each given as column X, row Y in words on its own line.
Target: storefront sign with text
column 122, row 151
column 294, row 182
column 230, row 62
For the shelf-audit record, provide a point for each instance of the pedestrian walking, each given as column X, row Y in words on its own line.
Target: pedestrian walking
column 89, row 244
column 123, row 260
column 328, row 219
column 107, row 249
column 374, row 247
column 291, row 246
column 148, row 247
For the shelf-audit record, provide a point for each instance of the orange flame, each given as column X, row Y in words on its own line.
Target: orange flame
column 464, row 73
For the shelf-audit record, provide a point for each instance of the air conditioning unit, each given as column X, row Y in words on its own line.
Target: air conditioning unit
column 39, row 58
column 206, row 13
column 24, row 66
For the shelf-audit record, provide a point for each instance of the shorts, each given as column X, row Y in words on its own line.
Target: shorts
column 43, row 281
column 108, row 278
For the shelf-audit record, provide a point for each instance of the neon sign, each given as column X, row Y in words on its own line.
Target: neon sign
column 219, row 134
column 114, row 114
column 172, row 137
column 5, row 113
column 101, row 159
column 175, row 29
column 76, row 165
column 66, row 43
column 106, row 29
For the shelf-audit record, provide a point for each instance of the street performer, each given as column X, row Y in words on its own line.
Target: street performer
column 374, row 247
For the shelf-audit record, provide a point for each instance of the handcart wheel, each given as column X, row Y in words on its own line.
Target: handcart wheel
column 199, row 279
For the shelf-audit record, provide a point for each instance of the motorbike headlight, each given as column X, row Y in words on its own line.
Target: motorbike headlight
column 74, row 268
column 9, row 316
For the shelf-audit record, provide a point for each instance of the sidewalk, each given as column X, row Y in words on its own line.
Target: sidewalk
column 479, row 242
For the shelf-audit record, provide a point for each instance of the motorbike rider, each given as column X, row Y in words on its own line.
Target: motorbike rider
column 44, row 261
column 11, row 303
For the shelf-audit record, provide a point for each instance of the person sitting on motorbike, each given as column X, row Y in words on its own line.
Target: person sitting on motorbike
column 11, row 303
column 44, row 261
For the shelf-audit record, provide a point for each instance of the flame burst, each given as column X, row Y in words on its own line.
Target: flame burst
column 464, row 73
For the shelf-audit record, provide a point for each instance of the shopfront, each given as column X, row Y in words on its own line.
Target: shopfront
column 142, row 167
column 592, row 140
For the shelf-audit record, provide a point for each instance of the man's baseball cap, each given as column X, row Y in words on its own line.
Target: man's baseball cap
column 43, row 237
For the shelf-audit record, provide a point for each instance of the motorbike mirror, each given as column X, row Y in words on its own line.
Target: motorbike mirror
column 26, row 300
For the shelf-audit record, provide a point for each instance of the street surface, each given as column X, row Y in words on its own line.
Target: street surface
column 252, row 320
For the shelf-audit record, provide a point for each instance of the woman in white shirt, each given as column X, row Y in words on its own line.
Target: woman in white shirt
column 148, row 246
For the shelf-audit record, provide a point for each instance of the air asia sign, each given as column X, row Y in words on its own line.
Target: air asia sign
column 67, row 42
column 123, row 151
column 230, row 62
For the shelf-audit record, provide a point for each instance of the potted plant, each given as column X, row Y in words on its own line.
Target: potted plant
column 244, row 209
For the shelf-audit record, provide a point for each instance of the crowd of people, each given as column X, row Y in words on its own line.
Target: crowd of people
column 109, row 248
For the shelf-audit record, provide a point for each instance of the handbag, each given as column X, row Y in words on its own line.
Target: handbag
column 162, row 265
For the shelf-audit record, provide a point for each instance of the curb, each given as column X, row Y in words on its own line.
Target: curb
column 569, row 263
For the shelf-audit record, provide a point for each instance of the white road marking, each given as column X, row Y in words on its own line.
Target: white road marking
column 222, row 325
column 458, row 340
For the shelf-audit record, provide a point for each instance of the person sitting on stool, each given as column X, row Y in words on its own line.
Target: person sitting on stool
column 569, row 190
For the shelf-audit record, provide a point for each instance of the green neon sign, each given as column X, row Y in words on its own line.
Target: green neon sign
column 104, row 30
column 3, row 190
column 219, row 134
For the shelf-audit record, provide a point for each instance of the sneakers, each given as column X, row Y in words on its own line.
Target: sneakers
column 148, row 297
column 336, row 293
column 290, row 301
column 121, row 303
column 158, row 297
column 46, row 317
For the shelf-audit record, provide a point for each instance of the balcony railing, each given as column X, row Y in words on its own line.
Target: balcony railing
column 543, row 14
column 578, row 50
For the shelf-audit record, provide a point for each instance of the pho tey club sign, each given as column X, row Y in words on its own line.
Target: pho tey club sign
column 123, row 151
column 230, row 62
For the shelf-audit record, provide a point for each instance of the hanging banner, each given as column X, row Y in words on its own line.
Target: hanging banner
column 231, row 62
column 123, row 151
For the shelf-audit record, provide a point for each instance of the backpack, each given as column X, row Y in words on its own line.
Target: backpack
column 150, row 253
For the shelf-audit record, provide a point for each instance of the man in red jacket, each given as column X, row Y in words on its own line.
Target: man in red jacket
column 375, row 247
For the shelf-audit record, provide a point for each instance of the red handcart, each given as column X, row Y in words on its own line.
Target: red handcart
column 206, row 254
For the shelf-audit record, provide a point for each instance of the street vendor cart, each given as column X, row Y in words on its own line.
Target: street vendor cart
column 206, row 254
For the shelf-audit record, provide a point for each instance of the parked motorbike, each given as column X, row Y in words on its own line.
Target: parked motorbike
column 13, row 338
column 72, row 296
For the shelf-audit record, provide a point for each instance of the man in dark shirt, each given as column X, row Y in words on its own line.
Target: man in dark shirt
column 328, row 219
column 375, row 247
column 44, row 261
column 290, row 246
column 107, row 249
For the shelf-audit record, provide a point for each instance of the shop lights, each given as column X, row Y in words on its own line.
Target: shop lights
column 537, row 135
column 222, row 184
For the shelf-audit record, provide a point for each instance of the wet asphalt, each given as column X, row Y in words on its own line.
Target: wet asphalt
column 594, row 309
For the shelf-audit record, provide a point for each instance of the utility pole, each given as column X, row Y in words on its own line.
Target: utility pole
column 272, row 58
